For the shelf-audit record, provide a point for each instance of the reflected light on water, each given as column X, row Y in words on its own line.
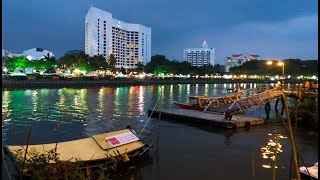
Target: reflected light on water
column 6, row 100
column 100, row 99
column 206, row 89
column 197, row 89
column 34, row 99
column 141, row 100
column 188, row 89
column 272, row 148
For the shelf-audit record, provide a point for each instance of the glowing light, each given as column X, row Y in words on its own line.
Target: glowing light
column 280, row 64
column 269, row 62
column 227, row 76
column 141, row 76
column 76, row 71
column 266, row 166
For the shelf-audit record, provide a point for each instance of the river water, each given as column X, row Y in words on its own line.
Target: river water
column 180, row 150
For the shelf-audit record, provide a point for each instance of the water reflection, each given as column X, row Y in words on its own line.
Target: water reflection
column 271, row 149
column 68, row 113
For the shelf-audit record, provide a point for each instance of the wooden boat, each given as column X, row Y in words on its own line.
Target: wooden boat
column 194, row 103
column 313, row 171
column 201, row 102
column 95, row 149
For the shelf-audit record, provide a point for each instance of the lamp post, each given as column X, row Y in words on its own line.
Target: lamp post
column 280, row 63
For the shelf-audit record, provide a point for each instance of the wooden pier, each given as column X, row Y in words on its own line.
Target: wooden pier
column 206, row 118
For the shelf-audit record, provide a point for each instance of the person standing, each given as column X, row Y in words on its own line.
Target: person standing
column 307, row 86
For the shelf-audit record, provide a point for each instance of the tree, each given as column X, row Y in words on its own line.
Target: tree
column 112, row 63
column 98, row 62
column 17, row 62
column 140, row 67
column 123, row 70
column 75, row 60
column 292, row 67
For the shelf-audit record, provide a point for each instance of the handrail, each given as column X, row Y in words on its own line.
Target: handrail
column 268, row 95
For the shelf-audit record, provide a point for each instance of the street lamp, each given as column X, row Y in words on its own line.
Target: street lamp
column 280, row 63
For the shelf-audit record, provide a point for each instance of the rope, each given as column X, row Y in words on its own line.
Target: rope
column 150, row 115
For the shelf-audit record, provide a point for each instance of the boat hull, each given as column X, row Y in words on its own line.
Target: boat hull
column 88, row 151
column 188, row 106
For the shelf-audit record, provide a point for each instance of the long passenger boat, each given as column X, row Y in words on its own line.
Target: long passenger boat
column 95, row 149
column 201, row 102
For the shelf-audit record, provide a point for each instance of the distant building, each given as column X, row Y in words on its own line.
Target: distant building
column 6, row 53
column 104, row 35
column 35, row 54
column 199, row 56
column 238, row 59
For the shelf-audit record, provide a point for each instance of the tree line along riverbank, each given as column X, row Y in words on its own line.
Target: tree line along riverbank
column 47, row 83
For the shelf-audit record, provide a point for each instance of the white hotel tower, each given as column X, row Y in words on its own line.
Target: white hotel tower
column 104, row 35
column 199, row 56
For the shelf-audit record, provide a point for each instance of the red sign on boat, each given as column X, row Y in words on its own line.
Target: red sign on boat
column 122, row 139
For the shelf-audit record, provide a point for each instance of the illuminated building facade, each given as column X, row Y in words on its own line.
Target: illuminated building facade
column 238, row 59
column 104, row 35
column 35, row 54
column 199, row 56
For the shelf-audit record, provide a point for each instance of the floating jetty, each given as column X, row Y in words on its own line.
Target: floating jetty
column 206, row 118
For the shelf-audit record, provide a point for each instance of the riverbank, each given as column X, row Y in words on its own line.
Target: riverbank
column 50, row 83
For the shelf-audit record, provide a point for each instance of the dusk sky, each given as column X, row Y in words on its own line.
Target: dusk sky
column 269, row 28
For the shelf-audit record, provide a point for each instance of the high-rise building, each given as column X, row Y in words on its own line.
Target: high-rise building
column 238, row 59
column 199, row 56
column 104, row 35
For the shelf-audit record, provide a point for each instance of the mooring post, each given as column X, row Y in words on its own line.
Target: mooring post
column 282, row 109
column 267, row 109
column 276, row 108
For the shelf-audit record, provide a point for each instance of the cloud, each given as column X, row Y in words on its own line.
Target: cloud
column 292, row 38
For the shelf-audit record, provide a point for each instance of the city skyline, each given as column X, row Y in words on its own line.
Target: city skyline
column 272, row 29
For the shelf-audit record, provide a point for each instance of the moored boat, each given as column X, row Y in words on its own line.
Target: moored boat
column 92, row 150
column 194, row 103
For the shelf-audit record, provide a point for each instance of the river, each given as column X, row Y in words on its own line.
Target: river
column 180, row 151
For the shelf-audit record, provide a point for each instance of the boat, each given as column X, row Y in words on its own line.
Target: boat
column 92, row 150
column 308, row 172
column 194, row 103
column 201, row 102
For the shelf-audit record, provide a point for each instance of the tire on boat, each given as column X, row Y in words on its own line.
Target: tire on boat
column 231, row 125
